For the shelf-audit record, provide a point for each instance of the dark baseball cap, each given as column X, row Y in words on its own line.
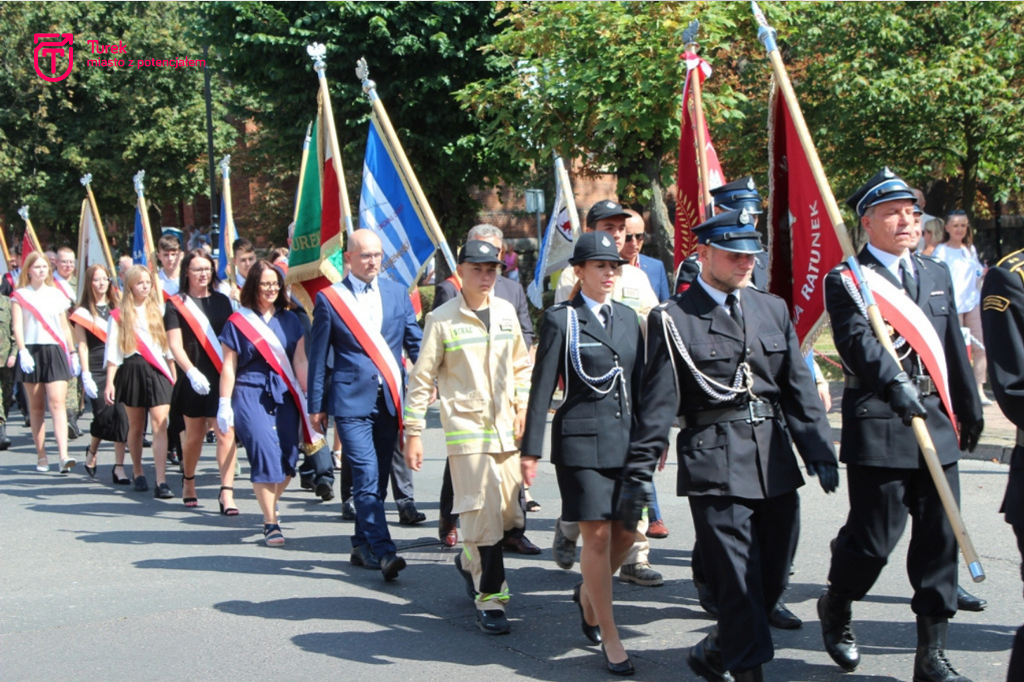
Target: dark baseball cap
column 478, row 251
column 605, row 209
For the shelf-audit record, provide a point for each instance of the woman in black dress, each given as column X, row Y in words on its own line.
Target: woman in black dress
column 89, row 323
column 194, row 319
column 596, row 345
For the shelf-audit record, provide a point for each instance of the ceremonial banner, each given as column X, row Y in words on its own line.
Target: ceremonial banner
column 556, row 249
column 227, row 237
column 690, row 209
column 387, row 206
column 140, row 256
column 29, row 242
column 90, row 246
column 802, row 242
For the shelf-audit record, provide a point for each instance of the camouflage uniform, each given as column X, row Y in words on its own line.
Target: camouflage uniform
column 7, row 347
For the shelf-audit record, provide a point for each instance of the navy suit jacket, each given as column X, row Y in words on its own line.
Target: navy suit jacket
column 655, row 271
column 350, row 388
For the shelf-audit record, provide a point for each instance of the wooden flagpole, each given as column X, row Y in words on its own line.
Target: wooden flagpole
column 690, row 42
column 86, row 180
column 147, row 231
column 3, row 245
column 317, row 52
column 23, row 212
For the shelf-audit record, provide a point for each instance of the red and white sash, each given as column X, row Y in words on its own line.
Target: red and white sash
column 84, row 319
column 371, row 341
column 200, row 325
column 912, row 324
column 64, row 286
column 269, row 346
column 148, row 348
column 456, row 282
column 59, row 338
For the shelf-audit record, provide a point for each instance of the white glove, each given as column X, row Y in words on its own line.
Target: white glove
column 200, row 384
column 76, row 365
column 225, row 415
column 28, row 365
column 90, row 387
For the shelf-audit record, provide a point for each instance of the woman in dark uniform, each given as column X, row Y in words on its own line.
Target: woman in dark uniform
column 596, row 345
column 89, row 324
column 194, row 319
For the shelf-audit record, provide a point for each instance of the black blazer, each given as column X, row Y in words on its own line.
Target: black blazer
column 873, row 435
column 738, row 459
column 589, row 430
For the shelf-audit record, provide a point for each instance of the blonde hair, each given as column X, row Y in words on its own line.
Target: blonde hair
column 154, row 316
column 30, row 260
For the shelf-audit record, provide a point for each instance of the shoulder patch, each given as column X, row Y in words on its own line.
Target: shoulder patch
column 996, row 303
column 1013, row 261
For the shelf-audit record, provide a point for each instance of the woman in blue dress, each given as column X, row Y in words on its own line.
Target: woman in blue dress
column 256, row 399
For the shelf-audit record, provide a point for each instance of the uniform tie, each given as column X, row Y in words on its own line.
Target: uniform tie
column 734, row 310
column 606, row 318
column 909, row 281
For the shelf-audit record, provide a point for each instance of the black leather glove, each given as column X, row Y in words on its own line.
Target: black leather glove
column 828, row 475
column 904, row 398
column 970, row 434
column 633, row 498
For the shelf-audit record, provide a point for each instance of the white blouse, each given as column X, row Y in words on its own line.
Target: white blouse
column 112, row 352
column 51, row 303
column 965, row 270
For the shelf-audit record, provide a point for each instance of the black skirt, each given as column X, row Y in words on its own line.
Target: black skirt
column 588, row 494
column 51, row 365
column 139, row 384
column 109, row 422
column 188, row 403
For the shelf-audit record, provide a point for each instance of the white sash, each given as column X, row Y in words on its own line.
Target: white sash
column 64, row 287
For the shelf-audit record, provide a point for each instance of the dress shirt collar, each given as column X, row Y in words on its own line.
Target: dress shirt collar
column 595, row 307
column 717, row 295
column 359, row 286
column 892, row 263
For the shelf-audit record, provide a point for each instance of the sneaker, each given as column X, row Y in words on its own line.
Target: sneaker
column 641, row 574
column 657, row 530
column 563, row 549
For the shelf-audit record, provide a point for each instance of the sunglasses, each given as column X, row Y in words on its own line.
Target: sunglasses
column 638, row 237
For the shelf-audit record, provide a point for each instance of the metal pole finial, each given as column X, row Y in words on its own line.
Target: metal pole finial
column 137, row 180
column 317, row 52
column 23, row 212
column 86, row 179
column 690, row 34
column 363, row 74
column 225, row 165
column 766, row 34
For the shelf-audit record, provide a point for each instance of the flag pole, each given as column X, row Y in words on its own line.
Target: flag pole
column 147, row 231
column 86, row 180
column 302, row 170
column 229, row 220
column 23, row 212
column 570, row 200
column 317, row 52
column 370, row 88
column 3, row 245
column 690, row 42
column 766, row 34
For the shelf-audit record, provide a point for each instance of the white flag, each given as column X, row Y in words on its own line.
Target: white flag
column 90, row 245
column 556, row 249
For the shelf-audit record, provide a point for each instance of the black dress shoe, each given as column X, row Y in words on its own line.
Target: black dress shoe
column 492, row 622
column 705, row 598
column 520, row 545
column 965, row 601
column 467, row 576
column 782, row 618
column 119, row 481
column 140, row 484
column 325, row 491
column 163, row 492
column 390, row 565
column 306, row 482
column 211, row 437
column 408, row 516
column 592, row 632
column 623, row 668
column 705, row 659
column 836, row 616
column 173, row 457
column 755, row 674
column 362, row 556
column 146, row 443
column 5, row 442
column 73, row 430
column 348, row 512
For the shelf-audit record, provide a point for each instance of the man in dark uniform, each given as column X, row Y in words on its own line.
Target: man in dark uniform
column 888, row 478
column 1002, row 317
column 724, row 358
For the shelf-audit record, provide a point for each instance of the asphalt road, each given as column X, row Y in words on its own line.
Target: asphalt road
column 101, row 583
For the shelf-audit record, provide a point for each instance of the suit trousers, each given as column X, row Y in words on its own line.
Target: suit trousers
column 401, row 478
column 638, row 553
column 1016, row 670
column 880, row 500
column 487, row 489
column 318, row 468
column 369, row 443
column 746, row 547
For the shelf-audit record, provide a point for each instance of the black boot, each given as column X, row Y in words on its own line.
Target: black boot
column 930, row 663
column 73, row 430
column 5, row 442
column 753, row 675
column 705, row 659
column 840, row 642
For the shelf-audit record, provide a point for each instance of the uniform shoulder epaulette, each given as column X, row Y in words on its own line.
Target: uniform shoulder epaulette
column 840, row 267
column 1012, row 262
column 925, row 257
column 559, row 306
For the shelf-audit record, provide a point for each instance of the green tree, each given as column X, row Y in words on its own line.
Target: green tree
column 110, row 122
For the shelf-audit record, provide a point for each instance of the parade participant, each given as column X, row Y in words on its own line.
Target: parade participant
column 508, row 290
column 724, row 358
column 245, row 257
column 262, row 383
column 888, row 478
column 194, row 319
column 168, row 251
column 47, row 360
column 596, row 345
column 65, row 281
column 633, row 289
column 652, row 267
column 1002, row 316
column 124, row 263
column 8, row 357
column 366, row 320
column 474, row 349
column 138, row 373
column 90, row 320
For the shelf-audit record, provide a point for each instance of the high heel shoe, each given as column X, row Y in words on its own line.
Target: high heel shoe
column 91, row 470
column 623, row 668
column 118, row 481
column 226, row 511
column 593, row 632
column 189, row 501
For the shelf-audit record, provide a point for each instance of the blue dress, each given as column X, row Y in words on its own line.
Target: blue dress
column 266, row 418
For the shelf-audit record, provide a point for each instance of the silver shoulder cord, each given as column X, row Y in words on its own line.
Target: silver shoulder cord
column 743, row 381
column 851, row 289
column 572, row 352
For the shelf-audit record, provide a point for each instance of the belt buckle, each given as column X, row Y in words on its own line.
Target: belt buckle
column 925, row 384
column 754, row 409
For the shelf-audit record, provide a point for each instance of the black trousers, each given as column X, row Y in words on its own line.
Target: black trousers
column 746, row 547
column 1016, row 670
column 448, row 501
column 318, row 468
column 401, row 478
column 880, row 501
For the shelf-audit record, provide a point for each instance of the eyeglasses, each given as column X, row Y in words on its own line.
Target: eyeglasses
column 371, row 256
column 200, row 271
column 640, row 236
column 269, row 286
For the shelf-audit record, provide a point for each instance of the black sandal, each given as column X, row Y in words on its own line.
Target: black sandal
column 118, row 481
column 189, row 501
column 91, row 470
column 229, row 511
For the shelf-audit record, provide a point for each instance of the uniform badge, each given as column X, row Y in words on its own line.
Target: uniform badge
column 886, row 173
column 506, row 325
column 630, row 292
column 605, row 242
column 996, row 303
column 744, row 217
column 750, row 184
column 610, row 204
column 484, row 248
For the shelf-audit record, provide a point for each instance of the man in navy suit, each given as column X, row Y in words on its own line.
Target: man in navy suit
column 378, row 323
column 652, row 267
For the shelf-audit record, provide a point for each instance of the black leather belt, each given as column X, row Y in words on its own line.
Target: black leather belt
column 923, row 382
column 753, row 412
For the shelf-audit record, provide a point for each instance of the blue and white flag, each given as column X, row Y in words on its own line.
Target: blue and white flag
column 139, row 255
column 224, row 242
column 556, row 249
column 387, row 206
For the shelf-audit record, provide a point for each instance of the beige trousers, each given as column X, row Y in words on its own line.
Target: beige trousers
column 637, row 553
